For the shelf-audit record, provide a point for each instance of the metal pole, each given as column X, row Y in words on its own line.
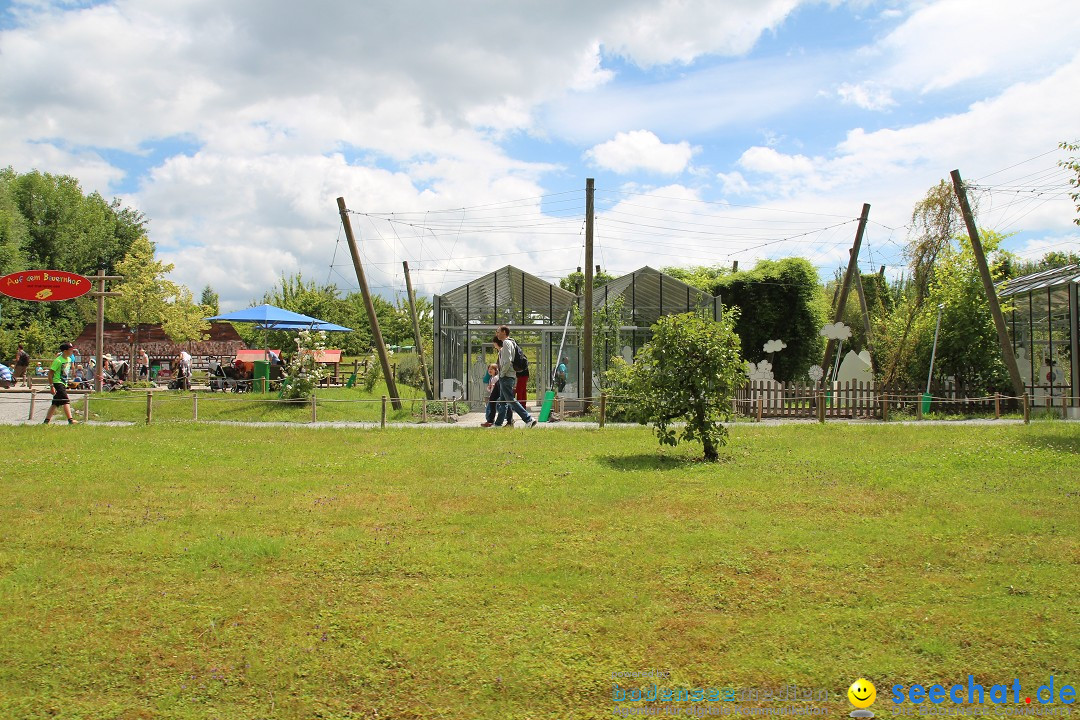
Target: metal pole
column 933, row 352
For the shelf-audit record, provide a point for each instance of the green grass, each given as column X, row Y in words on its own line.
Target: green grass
column 197, row 571
column 333, row 404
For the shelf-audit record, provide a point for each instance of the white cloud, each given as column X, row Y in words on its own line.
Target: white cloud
column 769, row 161
column 868, row 96
column 641, row 150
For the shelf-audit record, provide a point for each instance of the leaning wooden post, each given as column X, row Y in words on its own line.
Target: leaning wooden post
column 149, row 406
column 382, row 419
column 997, row 406
column 1027, row 409
column 988, row 284
column 194, row 406
column 86, row 407
column 603, row 407
column 33, row 397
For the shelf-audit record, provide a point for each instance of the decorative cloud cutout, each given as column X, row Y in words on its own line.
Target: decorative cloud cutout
column 774, row 346
column 761, row 371
column 815, row 372
column 836, row 331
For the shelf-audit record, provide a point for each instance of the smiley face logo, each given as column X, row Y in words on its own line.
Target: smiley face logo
column 862, row 693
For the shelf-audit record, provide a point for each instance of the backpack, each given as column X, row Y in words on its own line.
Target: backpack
column 520, row 363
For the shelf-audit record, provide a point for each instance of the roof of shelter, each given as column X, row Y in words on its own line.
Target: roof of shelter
column 1044, row 280
column 646, row 288
column 506, row 295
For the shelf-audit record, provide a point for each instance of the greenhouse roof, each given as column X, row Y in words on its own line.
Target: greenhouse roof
column 1045, row 280
column 509, row 295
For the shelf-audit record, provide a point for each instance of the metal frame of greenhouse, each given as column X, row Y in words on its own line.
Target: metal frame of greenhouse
column 1045, row 329
column 536, row 311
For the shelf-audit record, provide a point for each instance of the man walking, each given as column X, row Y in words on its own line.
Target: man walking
column 58, row 378
column 507, row 380
column 22, row 366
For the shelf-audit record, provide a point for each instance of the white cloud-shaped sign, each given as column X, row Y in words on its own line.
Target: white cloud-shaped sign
column 836, row 331
column 761, row 371
column 774, row 346
column 815, row 372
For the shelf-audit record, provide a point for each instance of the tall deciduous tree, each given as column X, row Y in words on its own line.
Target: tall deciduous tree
column 145, row 291
column 183, row 320
column 683, row 379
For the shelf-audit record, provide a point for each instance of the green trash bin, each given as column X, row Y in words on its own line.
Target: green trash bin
column 261, row 376
column 926, row 398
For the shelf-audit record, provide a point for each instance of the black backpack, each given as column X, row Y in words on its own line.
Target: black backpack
column 520, row 363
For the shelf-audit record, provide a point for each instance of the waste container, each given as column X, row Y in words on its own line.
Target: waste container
column 154, row 370
column 926, row 398
column 261, row 376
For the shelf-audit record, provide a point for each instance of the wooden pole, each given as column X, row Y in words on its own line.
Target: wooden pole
column 382, row 419
column 99, row 328
column 587, row 326
column 997, row 406
column 603, row 407
column 865, row 314
column 33, row 397
column 423, row 410
column 918, row 407
column 841, row 300
column 149, row 406
column 195, row 406
column 376, row 334
column 428, row 389
column 988, row 285
column 1027, row 409
column 314, row 411
column 885, row 407
column 760, row 406
column 445, row 412
column 821, row 407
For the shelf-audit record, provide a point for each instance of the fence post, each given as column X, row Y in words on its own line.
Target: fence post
column 194, row 406
column 423, row 410
column 997, row 406
column 86, row 407
column 445, row 412
column 149, row 406
column 1027, row 409
column 821, row 407
column 918, row 407
column 603, row 407
column 314, row 412
column 760, row 405
column 33, row 395
column 885, row 407
column 382, row 418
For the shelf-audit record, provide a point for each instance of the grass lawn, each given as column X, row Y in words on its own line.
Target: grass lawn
column 333, row 404
column 194, row 571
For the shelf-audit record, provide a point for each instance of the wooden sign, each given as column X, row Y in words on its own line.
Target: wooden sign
column 44, row 285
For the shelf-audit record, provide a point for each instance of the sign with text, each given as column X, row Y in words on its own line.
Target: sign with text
column 44, row 285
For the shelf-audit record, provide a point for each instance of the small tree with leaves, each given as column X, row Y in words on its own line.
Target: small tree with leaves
column 1073, row 165
column 144, row 291
column 682, row 380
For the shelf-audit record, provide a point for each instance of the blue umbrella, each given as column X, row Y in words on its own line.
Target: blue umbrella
column 270, row 317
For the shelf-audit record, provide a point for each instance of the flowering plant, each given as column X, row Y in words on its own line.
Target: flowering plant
column 303, row 373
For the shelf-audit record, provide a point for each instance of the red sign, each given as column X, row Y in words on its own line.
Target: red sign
column 44, row 285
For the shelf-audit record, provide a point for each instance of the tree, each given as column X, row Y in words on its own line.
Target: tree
column 935, row 220
column 209, row 299
column 183, row 320
column 1073, row 165
column 687, row 373
column 968, row 347
column 144, row 291
column 575, row 281
column 778, row 300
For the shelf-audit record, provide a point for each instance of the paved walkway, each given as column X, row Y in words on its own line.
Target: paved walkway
column 15, row 410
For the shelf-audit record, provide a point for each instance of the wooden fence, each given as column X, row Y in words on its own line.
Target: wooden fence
column 859, row 400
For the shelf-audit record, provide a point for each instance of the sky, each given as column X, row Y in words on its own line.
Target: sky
column 461, row 134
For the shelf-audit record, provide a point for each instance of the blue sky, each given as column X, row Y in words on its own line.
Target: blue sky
column 461, row 134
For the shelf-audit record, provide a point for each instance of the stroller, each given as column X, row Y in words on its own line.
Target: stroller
column 113, row 374
column 224, row 378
